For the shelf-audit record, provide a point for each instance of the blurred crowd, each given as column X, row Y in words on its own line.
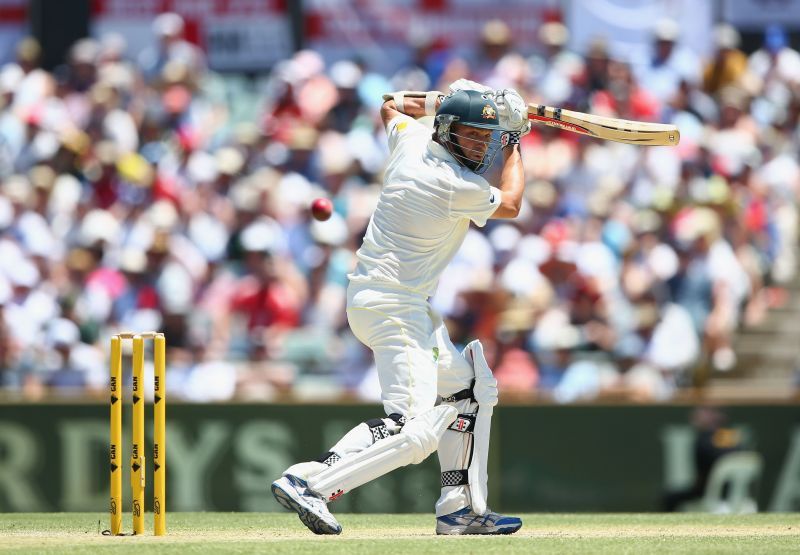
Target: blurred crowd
column 145, row 192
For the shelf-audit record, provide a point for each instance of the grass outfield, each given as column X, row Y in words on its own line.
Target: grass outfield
column 60, row 533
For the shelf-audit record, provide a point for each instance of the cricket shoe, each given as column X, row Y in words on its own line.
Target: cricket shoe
column 466, row 521
column 294, row 494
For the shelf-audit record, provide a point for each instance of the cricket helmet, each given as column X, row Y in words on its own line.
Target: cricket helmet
column 473, row 109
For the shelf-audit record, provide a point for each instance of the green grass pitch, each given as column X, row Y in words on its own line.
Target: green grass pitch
column 61, row 533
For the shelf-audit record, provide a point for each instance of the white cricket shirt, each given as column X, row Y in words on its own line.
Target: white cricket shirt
column 423, row 213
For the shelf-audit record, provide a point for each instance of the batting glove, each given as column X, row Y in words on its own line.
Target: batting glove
column 467, row 85
column 512, row 110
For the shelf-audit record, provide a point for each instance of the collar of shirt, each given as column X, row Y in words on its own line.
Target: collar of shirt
column 437, row 150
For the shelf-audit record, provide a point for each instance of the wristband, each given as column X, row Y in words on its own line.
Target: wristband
column 398, row 101
column 430, row 102
column 509, row 138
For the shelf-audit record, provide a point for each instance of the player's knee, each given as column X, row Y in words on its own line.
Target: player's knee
column 425, row 431
column 422, row 445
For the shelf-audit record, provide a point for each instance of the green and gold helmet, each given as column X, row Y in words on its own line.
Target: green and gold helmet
column 473, row 109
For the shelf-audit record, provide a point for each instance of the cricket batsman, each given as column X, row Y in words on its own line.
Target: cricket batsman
column 435, row 397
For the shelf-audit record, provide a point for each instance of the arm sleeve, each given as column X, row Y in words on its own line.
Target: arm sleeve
column 474, row 199
column 403, row 128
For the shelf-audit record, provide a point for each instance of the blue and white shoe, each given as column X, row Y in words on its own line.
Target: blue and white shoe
column 467, row 522
column 294, row 494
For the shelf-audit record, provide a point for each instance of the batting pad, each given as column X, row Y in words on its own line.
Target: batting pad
column 455, row 455
column 464, row 452
column 486, row 395
column 419, row 438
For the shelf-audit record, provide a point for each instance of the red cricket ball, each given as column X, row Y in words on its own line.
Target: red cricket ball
column 321, row 209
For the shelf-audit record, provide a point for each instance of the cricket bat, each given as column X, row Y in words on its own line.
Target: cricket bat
column 611, row 129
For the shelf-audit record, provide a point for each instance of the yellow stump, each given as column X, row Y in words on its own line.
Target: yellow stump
column 138, row 471
column 159, row 444
column 137, row 449
column 115, row 444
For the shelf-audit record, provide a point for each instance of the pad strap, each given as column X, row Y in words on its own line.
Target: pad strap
column 399, row 419
column 460, row 395
column 329, row 458
column 378, row 428
column 455, row 478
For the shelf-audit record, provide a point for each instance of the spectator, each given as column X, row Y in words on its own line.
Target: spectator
column 557, row 68
column 776, row 60
column 670, row 63
column 268, row 295
column 713, row 438
column 729, row 63
column 495, row 42
column 139, row 195
column 172, row 51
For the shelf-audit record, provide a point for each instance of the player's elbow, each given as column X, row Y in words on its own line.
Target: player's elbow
column 513, row 210
column 508, row 208
column 388, row 111
column 389, row 108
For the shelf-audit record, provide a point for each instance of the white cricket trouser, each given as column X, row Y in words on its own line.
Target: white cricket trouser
column 416, row 361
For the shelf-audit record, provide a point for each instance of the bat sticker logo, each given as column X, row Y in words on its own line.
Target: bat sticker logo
column 488, row 112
